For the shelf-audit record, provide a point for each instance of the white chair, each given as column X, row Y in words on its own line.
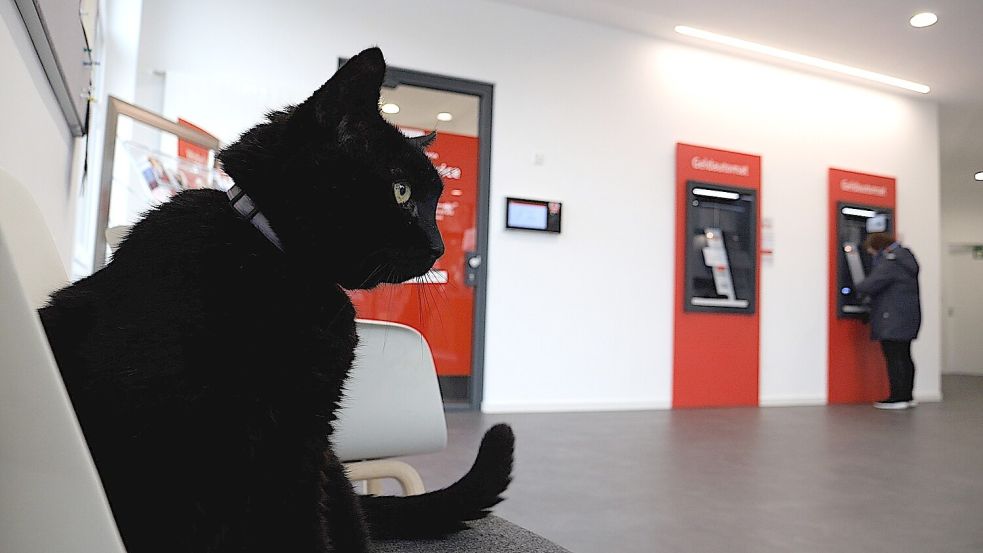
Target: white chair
column 29, row 240
column 392, row 407
column 51, row 498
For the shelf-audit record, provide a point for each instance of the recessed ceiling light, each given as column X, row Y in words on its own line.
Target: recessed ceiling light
column 924, row 19
column 978, row 176
column 802, row 58
column 390, row 108
column 444, row 116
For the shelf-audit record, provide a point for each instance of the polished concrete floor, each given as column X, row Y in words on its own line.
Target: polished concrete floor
column 788, row 479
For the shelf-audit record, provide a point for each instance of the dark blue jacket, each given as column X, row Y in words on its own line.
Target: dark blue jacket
column 892, row 286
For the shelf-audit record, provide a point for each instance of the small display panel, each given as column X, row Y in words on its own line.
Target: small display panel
column 532, row 215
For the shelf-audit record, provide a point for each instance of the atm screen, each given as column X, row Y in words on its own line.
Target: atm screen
column 721, row 250
column 854, row 222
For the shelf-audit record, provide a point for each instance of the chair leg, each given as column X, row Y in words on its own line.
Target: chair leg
column 373, row 486
column 374, row 471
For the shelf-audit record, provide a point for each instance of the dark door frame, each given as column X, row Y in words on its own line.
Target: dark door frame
column 485, row 92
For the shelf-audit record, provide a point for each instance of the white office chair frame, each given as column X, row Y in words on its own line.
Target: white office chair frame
column 392, row 407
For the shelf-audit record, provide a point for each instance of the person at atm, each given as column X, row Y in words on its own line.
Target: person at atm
column 895, row 313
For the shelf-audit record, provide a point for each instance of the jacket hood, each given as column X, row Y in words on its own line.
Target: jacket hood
column 906, row 260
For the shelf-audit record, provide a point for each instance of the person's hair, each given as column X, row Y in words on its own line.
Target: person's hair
column 878, row 241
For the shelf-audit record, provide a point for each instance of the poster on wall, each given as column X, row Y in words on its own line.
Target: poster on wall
column 718, row 198
column 196, row 156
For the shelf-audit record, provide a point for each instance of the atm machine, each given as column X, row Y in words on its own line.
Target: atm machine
column 716, row 354
column 859, row 204
column 853, row 223
column 721, row 250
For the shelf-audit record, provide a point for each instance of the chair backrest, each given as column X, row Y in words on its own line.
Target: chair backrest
column 30, row 242
column 51, row 498
column 392, row 404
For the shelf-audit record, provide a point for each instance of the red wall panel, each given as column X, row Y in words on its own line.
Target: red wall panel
column 715, row 355
column 856, row 365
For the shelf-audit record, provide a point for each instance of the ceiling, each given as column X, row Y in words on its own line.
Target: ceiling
column 418, row 108
column 870, row 34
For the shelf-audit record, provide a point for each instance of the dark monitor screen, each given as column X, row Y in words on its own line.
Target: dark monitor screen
column 721, row 248
column 854, row 222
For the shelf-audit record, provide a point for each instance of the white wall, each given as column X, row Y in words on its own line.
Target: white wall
column 963, row 350
column 36, row 146
column 962, row 226
column 117, row 45
column 584, row 319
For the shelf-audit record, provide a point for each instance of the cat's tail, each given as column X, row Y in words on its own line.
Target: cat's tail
column 445, row 511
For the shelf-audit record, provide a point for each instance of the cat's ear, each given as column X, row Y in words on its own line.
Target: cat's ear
column 353, row 89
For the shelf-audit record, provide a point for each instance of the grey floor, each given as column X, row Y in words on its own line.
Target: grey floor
column 809, row 479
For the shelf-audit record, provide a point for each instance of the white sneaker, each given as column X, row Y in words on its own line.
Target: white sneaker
column 893, row 405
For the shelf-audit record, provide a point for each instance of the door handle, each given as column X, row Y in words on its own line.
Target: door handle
column 472, row 264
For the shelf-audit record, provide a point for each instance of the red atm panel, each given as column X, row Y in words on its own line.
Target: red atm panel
column 715, row 354
column 856, row 366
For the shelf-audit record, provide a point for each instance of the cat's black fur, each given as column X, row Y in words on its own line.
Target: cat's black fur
column 206, row 365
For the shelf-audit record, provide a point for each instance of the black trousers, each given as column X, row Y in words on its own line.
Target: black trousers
column 900, row 368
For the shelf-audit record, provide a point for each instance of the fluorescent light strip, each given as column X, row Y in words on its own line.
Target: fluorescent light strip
column 858, row 212
column 978, row 176
column 716, row 193
column 803, row 59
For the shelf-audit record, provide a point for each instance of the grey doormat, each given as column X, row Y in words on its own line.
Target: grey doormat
column 489, row 535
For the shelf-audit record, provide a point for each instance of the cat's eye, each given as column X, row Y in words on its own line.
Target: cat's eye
column 402, row 192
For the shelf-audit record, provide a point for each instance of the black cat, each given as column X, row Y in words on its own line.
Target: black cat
column 206, row 361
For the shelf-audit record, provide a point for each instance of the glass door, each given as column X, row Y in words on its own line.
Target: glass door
column 445, row 305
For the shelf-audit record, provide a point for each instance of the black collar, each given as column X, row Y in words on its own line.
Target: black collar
column 249, row 211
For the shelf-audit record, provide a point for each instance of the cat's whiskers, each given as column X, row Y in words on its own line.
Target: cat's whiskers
column 419, row 300
column 371, row 274
column 434, row 302
column 388, row 315
column 440, row 289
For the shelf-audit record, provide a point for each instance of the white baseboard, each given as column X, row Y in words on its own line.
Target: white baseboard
column 811, row 401
column 601, row 406
column 928, row 397
column 573, row 407
column 792, row 401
